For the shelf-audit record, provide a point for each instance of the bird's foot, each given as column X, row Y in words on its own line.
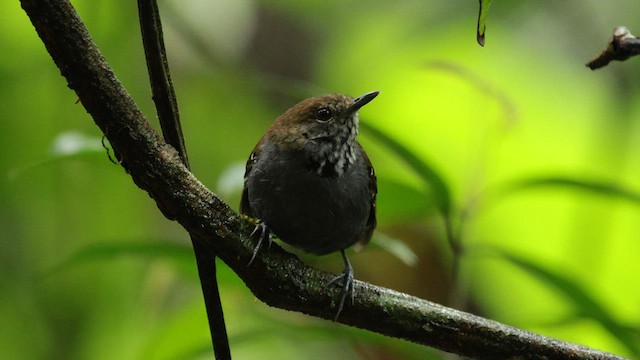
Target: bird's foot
column 263, row 233
column 347, row 284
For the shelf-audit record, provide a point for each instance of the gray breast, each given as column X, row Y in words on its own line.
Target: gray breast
column 319, row 214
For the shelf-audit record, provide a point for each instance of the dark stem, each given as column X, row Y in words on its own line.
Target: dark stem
column 210, row 291
column 276, row 277
column 623, row 46
column 162, row 90
column 169, row 117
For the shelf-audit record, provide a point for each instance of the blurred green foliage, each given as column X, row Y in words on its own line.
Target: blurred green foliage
column 533, row 159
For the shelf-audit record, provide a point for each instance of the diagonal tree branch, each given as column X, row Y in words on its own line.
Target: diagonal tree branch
column 276, row 277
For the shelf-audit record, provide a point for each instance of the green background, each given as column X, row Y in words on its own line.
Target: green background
column 537, row 157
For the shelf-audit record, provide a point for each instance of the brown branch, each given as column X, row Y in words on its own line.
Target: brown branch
column 276, row 277
column 623, row 45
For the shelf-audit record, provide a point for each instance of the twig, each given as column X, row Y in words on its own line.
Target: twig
column 164, row 96
column 276, row 277
column 623, row 45
column 169, row 117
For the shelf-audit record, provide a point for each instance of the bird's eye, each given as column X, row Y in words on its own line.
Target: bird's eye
column 324, row 114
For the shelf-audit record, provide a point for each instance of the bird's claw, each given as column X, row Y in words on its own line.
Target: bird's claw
column 264, row 233
column 347, row 288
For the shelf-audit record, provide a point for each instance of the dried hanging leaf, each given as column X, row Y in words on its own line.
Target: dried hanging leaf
column 482, row 20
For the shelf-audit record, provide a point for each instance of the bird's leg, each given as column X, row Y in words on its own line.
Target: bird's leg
column 264, row 233
column 347, row 284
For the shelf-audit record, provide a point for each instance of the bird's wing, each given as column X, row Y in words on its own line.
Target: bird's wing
column 245, row 206
column 373, row 192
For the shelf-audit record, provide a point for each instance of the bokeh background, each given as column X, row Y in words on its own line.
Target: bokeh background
column 531, row 158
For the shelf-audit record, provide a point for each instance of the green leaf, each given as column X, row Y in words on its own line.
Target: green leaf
column 66, row 145
column 396, row 248
column 584, row 303
column 595, row 187
column 483, row 12
column 141, row 250
column 231, row 180
column 401, row 202
column 426, row 172
column 70, row 143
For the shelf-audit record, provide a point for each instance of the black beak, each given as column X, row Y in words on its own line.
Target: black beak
column 362, row 101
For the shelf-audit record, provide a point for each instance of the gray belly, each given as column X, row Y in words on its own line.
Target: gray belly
column 319, row 214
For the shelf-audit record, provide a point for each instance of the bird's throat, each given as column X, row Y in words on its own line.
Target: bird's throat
column 332, row 157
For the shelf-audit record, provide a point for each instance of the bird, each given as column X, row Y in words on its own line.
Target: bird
column 310, row 183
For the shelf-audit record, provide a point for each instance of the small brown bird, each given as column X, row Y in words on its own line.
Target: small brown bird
column 311, row 183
